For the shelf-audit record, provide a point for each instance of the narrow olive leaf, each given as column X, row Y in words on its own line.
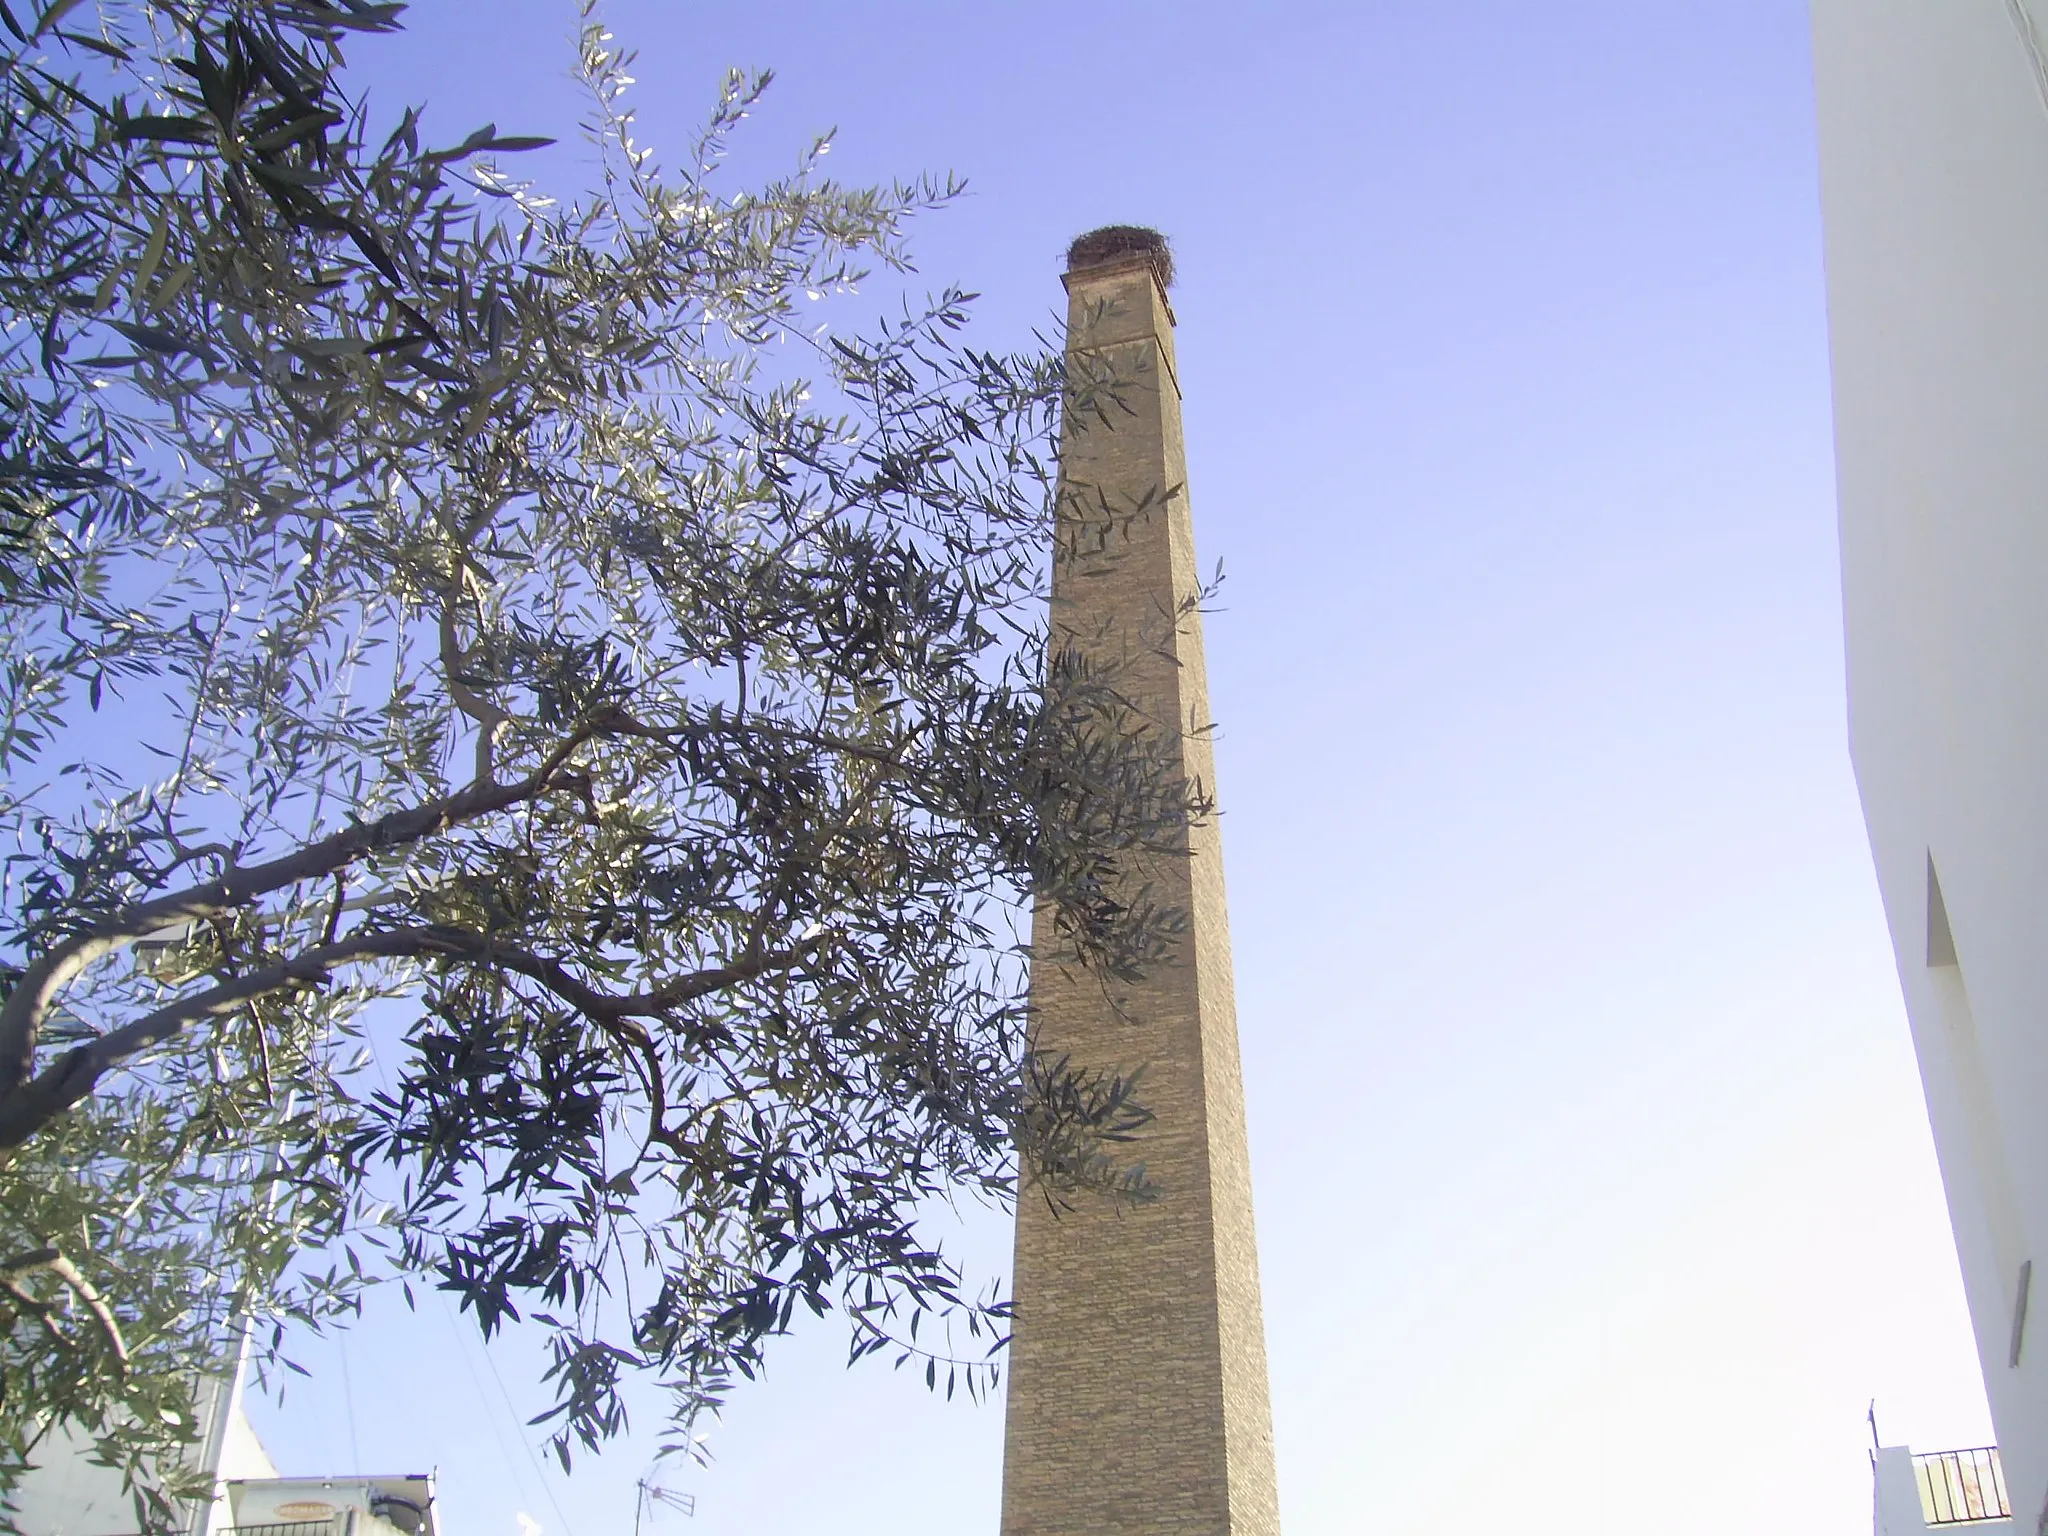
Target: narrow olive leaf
column 154, row 338
column 291, row 177
column 469, row 146
column 329, row 346
column 170, row 130
column 173, row 284
column 56, row 12
column 372, row 246
column 98, row 45
column 152, row 250
column 310, row 125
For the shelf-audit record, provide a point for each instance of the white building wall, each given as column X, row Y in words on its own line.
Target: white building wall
column 1933, row 120
column 70, row 1495
column 1896, row 1497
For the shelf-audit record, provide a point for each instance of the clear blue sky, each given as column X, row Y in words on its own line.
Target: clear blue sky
column 1595, row 1193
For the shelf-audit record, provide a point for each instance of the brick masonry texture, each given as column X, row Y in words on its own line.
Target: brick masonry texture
column 1137, row 1388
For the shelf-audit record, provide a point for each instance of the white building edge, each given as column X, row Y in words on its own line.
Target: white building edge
column 70, row 1495
column 1933, row 118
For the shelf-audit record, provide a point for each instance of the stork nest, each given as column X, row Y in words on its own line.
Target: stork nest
column 1114, row 242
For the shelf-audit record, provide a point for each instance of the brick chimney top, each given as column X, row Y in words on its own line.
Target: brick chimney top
column 1117, row 244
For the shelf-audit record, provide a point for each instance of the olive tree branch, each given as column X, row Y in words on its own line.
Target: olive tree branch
column 54, row 1261
column 28, row 1005
column 489, row 718
column 73, row 1075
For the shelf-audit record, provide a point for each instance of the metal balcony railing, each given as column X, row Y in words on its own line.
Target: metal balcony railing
column 1957, row 1487
column 285, row 1528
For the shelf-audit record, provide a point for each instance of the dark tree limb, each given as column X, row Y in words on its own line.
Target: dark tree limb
column 21, row 1018
column 56, row 1263
column 73, row 1075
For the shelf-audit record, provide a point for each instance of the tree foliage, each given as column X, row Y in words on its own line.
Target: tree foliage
column 522, row 750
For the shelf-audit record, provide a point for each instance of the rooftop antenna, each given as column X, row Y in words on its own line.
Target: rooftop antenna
column 653, row 1495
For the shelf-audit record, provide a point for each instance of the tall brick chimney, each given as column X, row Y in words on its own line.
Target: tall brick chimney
column 1137, row 1394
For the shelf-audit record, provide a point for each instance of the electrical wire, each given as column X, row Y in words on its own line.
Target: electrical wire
column 348, row 1403
column 512, row 1414
column 518, row 1429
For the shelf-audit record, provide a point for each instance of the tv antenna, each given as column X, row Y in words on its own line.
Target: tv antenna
column 655, row 1497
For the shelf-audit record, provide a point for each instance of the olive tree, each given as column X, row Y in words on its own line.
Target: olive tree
column 523, row 749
